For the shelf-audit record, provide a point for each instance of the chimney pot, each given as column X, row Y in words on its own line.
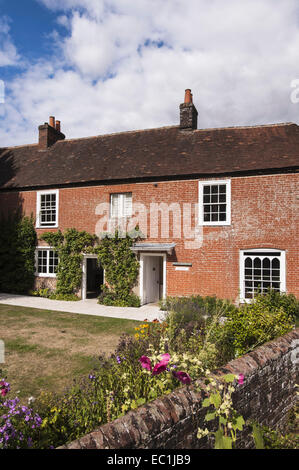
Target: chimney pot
column 50, row 133
column 188, row 96
column 52, row 121
column 188, row 112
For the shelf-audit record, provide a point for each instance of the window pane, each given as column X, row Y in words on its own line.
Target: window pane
column 48, row 209
column 261, row 274
column 127, row 212
column 213, row 195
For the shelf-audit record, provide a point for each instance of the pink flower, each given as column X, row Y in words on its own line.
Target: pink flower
column 165, row 358
column 182, row 377
column 4, row 388
column 241, row 379
column 145, row 363
column 160, row 367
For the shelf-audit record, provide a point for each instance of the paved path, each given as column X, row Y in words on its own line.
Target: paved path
column 87, row 307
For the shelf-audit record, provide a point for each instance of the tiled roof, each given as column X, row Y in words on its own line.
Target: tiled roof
column 166, row 152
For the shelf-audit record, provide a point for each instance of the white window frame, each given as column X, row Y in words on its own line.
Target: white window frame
column 38, row 208
column 121, row 204
column 201, row 184
column 282, row 258
column 47, row 249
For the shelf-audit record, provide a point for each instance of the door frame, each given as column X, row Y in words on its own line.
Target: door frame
column 142, row 261
column 84, row 274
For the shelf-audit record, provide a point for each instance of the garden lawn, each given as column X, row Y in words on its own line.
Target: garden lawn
column 46, row 350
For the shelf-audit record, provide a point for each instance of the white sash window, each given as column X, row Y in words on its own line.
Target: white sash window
column 215, row 202
column 47, row 209
column 120, row 205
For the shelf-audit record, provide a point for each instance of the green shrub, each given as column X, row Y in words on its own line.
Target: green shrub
column 65, row 297
column 256, row 323
column 273, row 298
column 196, row 306
column 17, row 253
column 109, row 297
column 52, row 295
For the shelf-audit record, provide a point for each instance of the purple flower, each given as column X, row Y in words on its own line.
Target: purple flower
column 91, row 376
column 182, row 377
column 118, row 359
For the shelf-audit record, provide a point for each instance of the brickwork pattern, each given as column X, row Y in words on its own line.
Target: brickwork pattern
column 264, row 213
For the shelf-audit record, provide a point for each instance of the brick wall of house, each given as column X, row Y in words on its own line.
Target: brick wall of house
column 171, row 422
column 264, row 214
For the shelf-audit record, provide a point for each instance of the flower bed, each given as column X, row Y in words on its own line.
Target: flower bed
column 160, row 358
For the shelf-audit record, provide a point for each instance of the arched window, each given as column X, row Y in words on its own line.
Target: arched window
column 261, row 270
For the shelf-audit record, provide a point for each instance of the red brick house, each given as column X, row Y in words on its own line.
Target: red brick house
column 219, row 207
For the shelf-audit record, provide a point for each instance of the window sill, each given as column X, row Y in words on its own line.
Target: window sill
column 215, row 224
column 45, row 275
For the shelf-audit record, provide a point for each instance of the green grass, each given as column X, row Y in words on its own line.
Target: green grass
column 47, row 350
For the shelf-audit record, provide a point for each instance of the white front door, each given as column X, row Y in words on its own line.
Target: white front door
column 151, row 279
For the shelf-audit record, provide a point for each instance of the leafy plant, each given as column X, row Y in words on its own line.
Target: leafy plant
column 17, row 253
column 221, row 411
column 255, row 324
column 121, row 270
column 70, row 247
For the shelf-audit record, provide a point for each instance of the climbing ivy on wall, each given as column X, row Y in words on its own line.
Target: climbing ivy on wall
column 17, row 253
column 121, row 270
column 117, row 259
column 70, row 247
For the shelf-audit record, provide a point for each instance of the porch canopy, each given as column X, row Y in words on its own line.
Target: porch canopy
column 153, row 247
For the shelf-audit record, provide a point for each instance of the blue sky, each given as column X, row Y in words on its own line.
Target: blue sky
column 105, row 66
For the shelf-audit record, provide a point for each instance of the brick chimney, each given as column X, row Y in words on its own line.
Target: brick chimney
column 50, row 133
column 188, row 112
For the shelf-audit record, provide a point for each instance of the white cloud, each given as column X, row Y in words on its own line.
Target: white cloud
column 125, row 65
column 8, row 51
